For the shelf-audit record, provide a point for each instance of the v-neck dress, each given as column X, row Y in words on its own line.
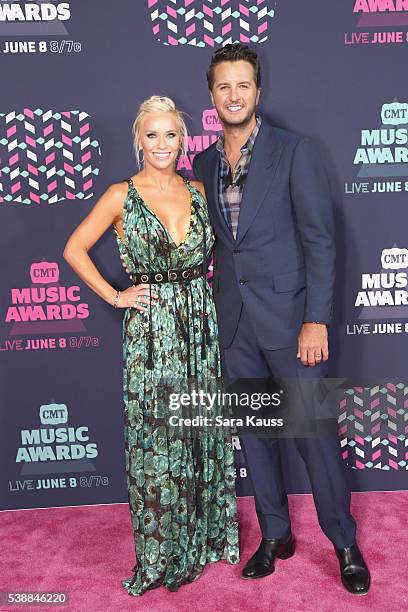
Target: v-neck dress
column 181, row 486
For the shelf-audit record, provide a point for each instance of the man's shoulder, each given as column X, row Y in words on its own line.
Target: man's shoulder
column 207, row 154
column 290, row 143
column 282, row 136
column 204, row 160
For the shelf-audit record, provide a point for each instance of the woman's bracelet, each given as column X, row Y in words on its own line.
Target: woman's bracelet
column 116, row 299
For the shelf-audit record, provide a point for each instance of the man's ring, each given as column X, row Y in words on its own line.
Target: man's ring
column 318, row 355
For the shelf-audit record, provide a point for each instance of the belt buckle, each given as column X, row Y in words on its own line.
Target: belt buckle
column 171, row 275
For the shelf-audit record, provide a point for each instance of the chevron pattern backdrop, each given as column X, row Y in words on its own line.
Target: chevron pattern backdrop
column 373, row 426
column 47, row 156
column 211, row 22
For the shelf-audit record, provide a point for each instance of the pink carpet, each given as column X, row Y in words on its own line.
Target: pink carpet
column 87, row 550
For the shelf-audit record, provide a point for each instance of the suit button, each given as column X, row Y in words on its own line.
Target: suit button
column 236, row 251
column 242, row 281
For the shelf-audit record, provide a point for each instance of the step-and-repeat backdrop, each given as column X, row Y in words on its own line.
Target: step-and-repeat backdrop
column 73, row 74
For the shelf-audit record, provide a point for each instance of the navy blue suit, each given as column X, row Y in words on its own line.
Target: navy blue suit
column 277, row 274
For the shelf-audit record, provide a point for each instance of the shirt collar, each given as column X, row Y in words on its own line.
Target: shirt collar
column 248, row 146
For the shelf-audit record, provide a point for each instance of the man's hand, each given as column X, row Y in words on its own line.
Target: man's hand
column 313, row 345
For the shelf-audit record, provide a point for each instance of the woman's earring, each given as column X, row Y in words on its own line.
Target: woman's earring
column 140, row 160
column 181, row 152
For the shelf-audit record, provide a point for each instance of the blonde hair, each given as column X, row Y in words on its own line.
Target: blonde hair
column 157, row 104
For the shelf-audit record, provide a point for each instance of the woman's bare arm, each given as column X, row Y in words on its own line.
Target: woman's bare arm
column 107, row 210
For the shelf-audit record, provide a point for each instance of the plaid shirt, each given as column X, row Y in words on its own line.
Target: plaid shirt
column 231, row 184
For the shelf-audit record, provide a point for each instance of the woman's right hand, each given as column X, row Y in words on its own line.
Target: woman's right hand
column 137, row 296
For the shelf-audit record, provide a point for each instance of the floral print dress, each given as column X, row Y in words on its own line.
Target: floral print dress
column 180, row 484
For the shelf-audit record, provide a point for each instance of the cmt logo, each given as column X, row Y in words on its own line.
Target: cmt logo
column 53, row 414
column 47, row 156
column 386, row 146
column 44, row 272
column 210, row 23
column 394, row 114
column 211, row 121
column 394, row 259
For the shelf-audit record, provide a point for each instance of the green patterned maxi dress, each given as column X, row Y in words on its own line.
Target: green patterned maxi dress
column 181, row 487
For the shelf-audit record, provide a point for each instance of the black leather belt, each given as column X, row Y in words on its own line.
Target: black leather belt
column 171, row 276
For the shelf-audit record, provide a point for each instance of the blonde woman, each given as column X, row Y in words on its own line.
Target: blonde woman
column 181, row 486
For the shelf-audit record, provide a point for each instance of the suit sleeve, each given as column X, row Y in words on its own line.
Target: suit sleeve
column 313, row 209
column 196, row 168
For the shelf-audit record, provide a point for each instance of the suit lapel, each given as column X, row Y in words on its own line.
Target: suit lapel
column 264, row 162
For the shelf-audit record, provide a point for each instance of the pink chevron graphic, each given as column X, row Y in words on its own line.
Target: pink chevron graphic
column 47, row 156
column 373, row 426
column 211, row 22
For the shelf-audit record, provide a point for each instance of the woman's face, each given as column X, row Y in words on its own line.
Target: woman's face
column 160, row 139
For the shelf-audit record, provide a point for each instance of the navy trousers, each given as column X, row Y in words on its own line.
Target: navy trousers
column 245, row 358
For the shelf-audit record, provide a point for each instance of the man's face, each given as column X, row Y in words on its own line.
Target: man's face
column 234, row 93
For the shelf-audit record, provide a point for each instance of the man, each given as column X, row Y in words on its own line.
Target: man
column 269, row 202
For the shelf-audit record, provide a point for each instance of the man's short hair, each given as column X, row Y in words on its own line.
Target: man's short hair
column 234, row 53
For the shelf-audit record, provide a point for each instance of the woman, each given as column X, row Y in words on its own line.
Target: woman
column 180, row 482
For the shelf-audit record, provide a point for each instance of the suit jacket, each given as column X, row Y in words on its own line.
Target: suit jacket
column 281, row 265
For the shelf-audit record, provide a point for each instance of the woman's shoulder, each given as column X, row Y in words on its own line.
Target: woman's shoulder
column 114, row 197
column 199, row 186
column 118, row 190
